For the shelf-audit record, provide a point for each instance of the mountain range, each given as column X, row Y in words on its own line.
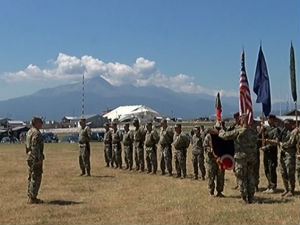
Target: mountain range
column 65, row 100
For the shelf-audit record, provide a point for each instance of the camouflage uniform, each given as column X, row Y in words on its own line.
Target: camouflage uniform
column 84, row 149
column 245, row 144
column 198, row 155
column 181, row 143
column 213, row 170
column 270, row 157
column 298, row 169
column 151, row 139
column 165, row 142
column 116, row 138
column 288, row 160
column 139, row 137
column 128, row 149
column 108, row 148
column 34, row 150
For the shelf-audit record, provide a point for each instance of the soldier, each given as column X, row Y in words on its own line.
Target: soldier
column 181, row 143
column 107, row 146
column 139, row 138
column 35, row 158
column 84, row 148
column 270, row 154
column 198, row 153
column 288, row 158
column 128, row 146
column 165, row 142
column 214, row 172
column 245, row 140
column 151, row 139
column 116, row 138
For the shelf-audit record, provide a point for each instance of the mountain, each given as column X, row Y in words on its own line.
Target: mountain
column 54, row 103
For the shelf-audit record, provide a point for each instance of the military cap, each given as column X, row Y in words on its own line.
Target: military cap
column 106, row 124
column 114, row 123
column 272, row 116
column 36, row 119
column 237, row 114
column 164, row 120
column 178, row 125
column 135, row 121
column 82, row 119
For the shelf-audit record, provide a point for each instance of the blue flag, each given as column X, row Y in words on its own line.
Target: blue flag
column 261, row 85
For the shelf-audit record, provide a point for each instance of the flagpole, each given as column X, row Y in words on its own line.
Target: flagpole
column 297, row 125
column 263, row 130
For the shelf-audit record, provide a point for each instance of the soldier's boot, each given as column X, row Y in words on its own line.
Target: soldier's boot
column 244, row 197
column 250, row 199
column 34, row 201
column 211, row 192
column 196, row 177
column 107, row 164
column 256, row 188
column 163, row 172
column 112, row 165
column 149, row 171
column 220, row 195
column 170, row 174
column 203, row 177
column 290, row 194
column 285, row 193
column 178, row 175
column 88, row 173
column 82, row 173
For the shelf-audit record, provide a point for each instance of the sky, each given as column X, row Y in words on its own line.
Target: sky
column 189, row 46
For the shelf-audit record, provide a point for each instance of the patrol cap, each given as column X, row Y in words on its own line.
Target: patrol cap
column 82, row 119
column 114, row 123
column 271, row 116
column 163, row 120
column 36, row 119
column 236, row 115
column 178, row 125
column 135, row 121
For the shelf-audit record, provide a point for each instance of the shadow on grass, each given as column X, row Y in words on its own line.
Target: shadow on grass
column 263, row 200
column 63, row 202
column 104, row 176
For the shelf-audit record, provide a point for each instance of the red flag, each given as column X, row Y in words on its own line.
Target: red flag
column 245, row 96
column 218, row 107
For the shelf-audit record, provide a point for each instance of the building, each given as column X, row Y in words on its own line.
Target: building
column 93, row 121
column 127, row 113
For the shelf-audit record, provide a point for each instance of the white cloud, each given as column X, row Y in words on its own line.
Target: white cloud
column 142, row 73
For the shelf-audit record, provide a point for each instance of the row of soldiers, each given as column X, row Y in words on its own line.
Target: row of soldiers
column 246, row 143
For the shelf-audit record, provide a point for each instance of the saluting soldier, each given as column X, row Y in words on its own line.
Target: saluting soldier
column 35, row 158
column 84, row 148
column 165, row 142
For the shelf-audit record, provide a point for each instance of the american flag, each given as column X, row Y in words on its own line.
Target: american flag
column 245, row 96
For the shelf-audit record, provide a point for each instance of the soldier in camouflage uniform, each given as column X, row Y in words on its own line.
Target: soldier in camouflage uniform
column 84, row 148
column 151, row 139
column 165, row 142
column 214, row 172
column 128, row 146
column 138, row 140
column 198, row 153
column 107, row 146
column 288, row 158
column 35, row 157
column 270, row 154
column 116, row 138
column 180, row 143
column 245, row 140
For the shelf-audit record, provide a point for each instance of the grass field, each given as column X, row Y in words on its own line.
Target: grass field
column 113, row 196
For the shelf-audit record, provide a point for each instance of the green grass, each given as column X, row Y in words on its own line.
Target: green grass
column 113, row 196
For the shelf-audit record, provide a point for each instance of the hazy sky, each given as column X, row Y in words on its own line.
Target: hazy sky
column 188, row 46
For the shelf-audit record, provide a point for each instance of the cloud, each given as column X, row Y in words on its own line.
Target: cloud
column 142, row 73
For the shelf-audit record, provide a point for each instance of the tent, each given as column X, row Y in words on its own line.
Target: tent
column 127, row 113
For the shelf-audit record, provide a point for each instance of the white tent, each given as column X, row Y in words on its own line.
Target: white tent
column 127, row 113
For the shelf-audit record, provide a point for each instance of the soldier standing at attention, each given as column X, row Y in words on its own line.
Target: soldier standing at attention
column 128, row 146
column 288, row 158
column 165, row 142
column 151, row 139
column 116, row 137
column 84, row 148
column 270, row 154
column 107, row 146
column 245, row 144
column 138, row 139
column 181, row 143
column 35, row 158
column 198, row 153
column 214, row 172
